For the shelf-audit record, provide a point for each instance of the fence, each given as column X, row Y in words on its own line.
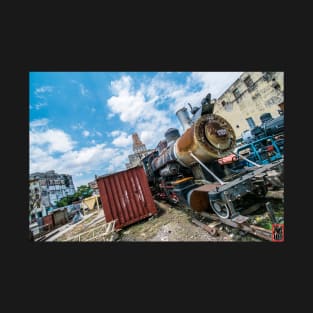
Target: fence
column 100, row 233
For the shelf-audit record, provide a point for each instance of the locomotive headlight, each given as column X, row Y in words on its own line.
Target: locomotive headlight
column 217, row 135
column 221, row 132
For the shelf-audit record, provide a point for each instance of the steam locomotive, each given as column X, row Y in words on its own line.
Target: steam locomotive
column 184, row 168
column 269, row 127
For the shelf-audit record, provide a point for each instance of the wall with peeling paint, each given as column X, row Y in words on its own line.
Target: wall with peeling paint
column 265, row 94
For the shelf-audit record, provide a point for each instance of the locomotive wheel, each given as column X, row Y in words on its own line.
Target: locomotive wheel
column 220, row 208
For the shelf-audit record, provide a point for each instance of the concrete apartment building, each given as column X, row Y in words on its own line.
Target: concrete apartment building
column 45, row 190
column 251, row 95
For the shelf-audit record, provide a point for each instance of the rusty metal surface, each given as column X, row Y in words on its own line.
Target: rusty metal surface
column 126, row 197
column 48, row 220
column 252, row 229
column 208, row 187
column 198, row 198
column 211, row 230
column 211, row 137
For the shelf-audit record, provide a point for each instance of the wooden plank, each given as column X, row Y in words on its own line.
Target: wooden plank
column 275, row 194
column 214, row 224
column 251, row 229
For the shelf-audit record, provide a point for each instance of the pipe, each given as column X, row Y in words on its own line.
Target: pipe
column 209, row 171
column 184, row 118
column 246, row 159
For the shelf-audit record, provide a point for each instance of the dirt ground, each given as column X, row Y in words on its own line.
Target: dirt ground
column 174, row 224
column 170, row 224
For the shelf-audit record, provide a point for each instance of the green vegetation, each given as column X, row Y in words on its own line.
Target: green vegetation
column 81, row 193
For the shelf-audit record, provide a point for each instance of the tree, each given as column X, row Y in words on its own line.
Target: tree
column 84, row 191
column 81, row 193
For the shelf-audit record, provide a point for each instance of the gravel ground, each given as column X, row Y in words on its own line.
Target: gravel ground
column 171, row 225
column 81, row 227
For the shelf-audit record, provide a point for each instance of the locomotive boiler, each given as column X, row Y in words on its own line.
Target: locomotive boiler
column 184, row 168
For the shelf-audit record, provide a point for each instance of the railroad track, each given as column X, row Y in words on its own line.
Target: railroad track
column 214, row 224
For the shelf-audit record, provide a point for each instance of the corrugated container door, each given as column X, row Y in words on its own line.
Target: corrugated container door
column 126, row 197
column 48, row 220
column 59, row 218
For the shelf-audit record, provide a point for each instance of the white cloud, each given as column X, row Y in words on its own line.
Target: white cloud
column 39, row 123
column 214, row 82
column 140, row 109
column 87, row 156
column 83, row 162
column 141, row 106
column 54, row 140
column 87, row 160
column 110, row 115
column 85, row 133
column 83, row 90
column 93, row 141
column 197, row 86
column 78, row 126
column 132, row 105
column 122, row 139
column 118, row 161
column 41, row 91
column 115, row 133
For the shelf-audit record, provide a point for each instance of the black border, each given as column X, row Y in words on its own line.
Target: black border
column 142, row 262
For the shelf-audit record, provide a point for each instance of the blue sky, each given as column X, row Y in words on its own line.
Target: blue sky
column 81, row 122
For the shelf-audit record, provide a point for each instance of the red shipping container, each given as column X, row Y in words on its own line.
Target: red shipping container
column 126, row 196
column 48, row 220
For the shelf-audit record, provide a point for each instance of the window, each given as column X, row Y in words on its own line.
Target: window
column 267, row 76
column 250, row 122
column 276, row 85
column 33, row 218
column 249, row 82
column 236, row 93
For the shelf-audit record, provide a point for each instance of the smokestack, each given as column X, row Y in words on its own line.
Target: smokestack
column 183, row 117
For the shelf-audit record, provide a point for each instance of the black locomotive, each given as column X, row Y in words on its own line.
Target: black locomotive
column 184, row 168
column 269, row 127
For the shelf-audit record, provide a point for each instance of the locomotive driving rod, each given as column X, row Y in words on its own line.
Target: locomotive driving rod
column 246, row 159
column 209, row 171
